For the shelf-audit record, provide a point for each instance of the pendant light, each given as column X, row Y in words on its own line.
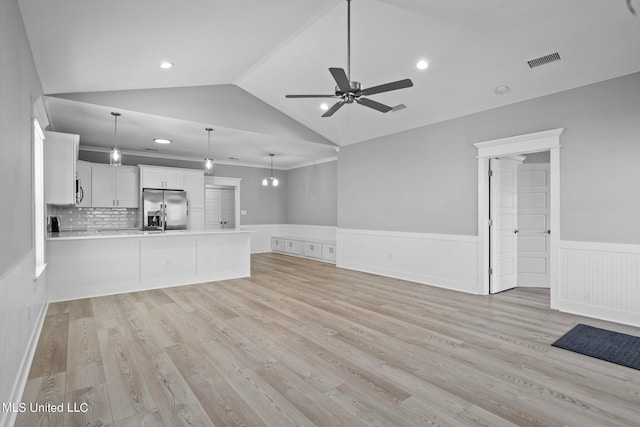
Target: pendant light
column 273, row 179
column 208, row 162
column 115, row 156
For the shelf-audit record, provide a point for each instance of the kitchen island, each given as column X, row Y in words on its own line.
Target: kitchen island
column 88, row 264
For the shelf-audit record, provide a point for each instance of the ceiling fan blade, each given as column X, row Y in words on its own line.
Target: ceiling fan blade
column 400, row 84
column 310, row 96
column 341, row 79
column 373, row 104
column 333, row 109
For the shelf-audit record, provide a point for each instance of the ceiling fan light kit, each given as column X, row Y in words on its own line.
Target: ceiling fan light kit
column 349, row 91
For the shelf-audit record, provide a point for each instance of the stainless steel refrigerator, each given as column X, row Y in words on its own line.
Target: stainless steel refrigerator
column 164, row 210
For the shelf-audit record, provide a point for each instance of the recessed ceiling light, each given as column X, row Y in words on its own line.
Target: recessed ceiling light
column 162, row 140
column 422, row 64
column 166, row 65
column 324, row 107
column 502, row 89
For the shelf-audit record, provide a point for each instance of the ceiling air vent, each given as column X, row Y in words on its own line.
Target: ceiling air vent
column 544, row 60
column 151, row 149
column 398, row 108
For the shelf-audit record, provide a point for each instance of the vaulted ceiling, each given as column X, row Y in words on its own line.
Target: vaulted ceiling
column 102, row 55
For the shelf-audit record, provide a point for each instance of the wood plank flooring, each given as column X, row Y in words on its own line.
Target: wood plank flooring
column 304, row 343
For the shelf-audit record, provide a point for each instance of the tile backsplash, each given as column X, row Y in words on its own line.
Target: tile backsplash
column 88, row 219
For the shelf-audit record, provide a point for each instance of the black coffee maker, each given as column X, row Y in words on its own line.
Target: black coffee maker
column 55, row 224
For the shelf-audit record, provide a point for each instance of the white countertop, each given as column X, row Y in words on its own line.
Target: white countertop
column 118, row 234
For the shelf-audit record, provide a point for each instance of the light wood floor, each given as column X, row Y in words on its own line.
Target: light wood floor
column 305, row 343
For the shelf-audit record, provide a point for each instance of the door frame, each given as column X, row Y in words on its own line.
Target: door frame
column 227, row 182
column 521, row 144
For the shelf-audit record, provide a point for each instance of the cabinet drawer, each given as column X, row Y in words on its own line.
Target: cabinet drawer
column 313, row 250
column 292, row 246
column 277, row 244
column 329, row 252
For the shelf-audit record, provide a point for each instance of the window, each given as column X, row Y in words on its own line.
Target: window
column 38, row 194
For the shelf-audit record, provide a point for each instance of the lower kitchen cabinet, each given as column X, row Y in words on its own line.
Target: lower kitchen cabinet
column 322, row 250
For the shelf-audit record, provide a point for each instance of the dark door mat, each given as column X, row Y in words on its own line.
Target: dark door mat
column 611, row 346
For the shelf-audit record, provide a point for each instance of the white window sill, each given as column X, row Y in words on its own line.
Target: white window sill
column 39, row 270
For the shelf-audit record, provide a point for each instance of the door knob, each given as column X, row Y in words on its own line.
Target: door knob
column 516, row 231
column 548, row 231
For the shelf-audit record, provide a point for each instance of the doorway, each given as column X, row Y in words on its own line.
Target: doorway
column 505, row 147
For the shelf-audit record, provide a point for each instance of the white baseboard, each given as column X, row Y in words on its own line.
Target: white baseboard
column 600, row 280
column 446, row 261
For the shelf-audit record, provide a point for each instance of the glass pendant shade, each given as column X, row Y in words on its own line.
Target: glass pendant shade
column 208, row 165
column 208, row 161
column 115, row 157
column 273, row 179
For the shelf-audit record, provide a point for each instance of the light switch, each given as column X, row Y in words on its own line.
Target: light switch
column 243, row 212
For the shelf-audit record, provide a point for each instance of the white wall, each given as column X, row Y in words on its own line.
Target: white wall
column 22, row 299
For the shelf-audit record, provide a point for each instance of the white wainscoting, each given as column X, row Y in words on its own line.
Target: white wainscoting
column 447, row 261
column 23, row 307
column 600, row 280
column 261, row 239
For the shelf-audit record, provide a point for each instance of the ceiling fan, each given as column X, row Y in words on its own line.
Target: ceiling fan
column 349, row 91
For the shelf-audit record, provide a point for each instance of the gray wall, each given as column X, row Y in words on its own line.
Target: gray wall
column 19, row 86
column 312, row 195
column 264, row 205
column 425, row 179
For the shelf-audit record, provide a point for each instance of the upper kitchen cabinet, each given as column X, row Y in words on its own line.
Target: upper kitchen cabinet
column 60, row 157
column 114, row 187
column 159, row 177
column 83, row 189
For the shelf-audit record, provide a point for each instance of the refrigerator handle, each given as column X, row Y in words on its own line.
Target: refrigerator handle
column 187, row 207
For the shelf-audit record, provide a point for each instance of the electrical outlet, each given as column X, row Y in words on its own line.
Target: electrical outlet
column 243, row 212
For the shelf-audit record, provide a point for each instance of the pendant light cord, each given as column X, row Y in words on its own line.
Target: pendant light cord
column 349, row 40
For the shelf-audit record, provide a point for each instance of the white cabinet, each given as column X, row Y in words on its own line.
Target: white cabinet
column 322, row 250
column 83, row 196
column 220, row 207
column 292, row 247
column 159, row 177
column 114, row 187
column 329, row 252
column 194, row 186
column 60, row 157
column 312, row 249
column 277, row 244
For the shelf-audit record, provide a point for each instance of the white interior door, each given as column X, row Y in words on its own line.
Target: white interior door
column 228, row 200
column 533, row 223
column 212, row 208
column 503, row 214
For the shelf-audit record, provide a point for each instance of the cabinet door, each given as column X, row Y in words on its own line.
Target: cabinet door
column 127, row 188
column 292, row 247
column 83, row 196
column 174, row 179
column 60, row 156
column 194, row 185
column 329, row 252
column 195, row 219
column 103, row 190
column 152, row 178
column 277, row 244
